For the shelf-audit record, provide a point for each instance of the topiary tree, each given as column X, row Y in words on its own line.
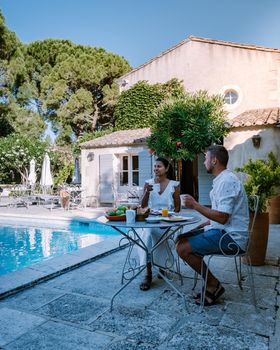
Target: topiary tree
column 184, row 127
column 136, row 106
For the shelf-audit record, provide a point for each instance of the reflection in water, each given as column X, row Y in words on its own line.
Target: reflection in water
column 46, row 242
column 32, row 240
column 21, row 247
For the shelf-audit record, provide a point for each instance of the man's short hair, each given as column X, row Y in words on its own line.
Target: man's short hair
column 219, row 152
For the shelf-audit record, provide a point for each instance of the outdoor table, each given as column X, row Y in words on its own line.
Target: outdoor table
column 169, row 229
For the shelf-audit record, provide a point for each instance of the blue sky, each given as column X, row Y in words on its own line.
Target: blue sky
column 141, row 29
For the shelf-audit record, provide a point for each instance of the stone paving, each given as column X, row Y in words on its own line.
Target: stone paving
column 71, row 311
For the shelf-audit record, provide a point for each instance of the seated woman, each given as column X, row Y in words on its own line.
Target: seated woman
column 160, row 192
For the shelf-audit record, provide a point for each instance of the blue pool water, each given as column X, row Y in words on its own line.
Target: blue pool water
column 22, row 246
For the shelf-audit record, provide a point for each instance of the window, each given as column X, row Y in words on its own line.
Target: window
column 230, row 97
column 129, row 170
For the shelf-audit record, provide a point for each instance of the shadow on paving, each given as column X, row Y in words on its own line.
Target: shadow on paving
column 72, row 312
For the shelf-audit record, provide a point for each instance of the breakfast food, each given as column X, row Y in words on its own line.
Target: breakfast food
column 120, row 210
column 142, row 211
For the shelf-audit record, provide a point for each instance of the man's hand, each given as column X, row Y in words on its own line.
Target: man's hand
column 189, row 201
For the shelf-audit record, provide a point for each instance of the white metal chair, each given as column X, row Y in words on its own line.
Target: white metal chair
column 253, row 205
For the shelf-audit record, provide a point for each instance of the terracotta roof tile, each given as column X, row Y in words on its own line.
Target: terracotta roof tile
column 266, row 116
column 119, row 138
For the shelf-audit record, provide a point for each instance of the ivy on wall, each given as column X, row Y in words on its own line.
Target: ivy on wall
column 136, row 107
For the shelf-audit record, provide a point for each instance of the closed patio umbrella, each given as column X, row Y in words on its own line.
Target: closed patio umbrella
column 46, row 180
column 32, row 173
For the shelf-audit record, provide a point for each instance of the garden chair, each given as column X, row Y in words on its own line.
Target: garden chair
column 254, row 200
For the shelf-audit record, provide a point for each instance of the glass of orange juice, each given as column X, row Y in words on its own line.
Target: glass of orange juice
column 164, row 212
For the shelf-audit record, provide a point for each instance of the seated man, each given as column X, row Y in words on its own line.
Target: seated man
column 228, row 214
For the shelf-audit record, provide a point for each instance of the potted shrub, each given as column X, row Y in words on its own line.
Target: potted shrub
column 262, row 180
column 274, row 209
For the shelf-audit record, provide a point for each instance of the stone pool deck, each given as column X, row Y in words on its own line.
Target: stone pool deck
column 71, row 310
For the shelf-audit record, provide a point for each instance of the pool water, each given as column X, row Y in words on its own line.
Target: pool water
column 22, row 246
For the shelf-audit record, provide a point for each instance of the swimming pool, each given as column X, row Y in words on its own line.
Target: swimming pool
column 24, row 245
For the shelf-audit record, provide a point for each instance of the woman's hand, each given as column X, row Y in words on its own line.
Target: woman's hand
column 148, row 187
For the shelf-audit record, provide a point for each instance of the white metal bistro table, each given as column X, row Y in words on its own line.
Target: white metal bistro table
column 169, row 229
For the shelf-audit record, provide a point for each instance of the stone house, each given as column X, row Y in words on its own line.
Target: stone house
column 248, row 76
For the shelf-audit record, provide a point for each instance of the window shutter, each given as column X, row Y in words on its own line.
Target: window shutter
column 145, row 167
column 106, row 178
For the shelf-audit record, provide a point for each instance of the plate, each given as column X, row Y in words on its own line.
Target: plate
column 116, row 217
column 158, row 212
column 153, row 219
column 178, row 218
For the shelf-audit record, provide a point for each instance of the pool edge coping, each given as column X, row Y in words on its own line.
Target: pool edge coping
column 29, row 276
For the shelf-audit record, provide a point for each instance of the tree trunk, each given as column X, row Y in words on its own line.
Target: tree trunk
column 95, row 117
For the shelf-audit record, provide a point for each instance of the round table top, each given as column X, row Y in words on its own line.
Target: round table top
column 194, row 219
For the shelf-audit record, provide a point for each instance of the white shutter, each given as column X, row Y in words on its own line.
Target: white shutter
column 145, row 167
column 106, row 178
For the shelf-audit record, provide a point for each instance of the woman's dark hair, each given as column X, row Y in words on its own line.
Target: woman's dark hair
column 170, row 173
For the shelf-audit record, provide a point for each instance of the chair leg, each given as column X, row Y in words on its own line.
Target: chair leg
column 238, row 272
column 251, row 280
column 195, row 279
column 178, row 268
column 204, row 278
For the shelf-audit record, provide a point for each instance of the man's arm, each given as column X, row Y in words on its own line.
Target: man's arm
column 211, row 214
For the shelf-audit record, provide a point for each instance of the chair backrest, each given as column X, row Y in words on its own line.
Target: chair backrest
column 253, row 201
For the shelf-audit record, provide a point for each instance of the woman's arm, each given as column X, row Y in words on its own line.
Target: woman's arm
column 146, row 194
column 176, row 198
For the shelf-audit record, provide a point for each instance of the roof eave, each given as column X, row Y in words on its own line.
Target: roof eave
column 115, row 145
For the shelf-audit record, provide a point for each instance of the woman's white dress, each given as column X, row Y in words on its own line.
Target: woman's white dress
column 162, row 255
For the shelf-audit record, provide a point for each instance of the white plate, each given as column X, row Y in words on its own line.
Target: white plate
column 153, row 219
column 178, row 218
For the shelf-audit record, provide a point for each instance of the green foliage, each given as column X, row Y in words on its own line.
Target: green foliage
column 72, row 86
column 264, row 177
column 184, row 127
column 62, row 163
column 136, row 107
column 15, row 90
column 8, row 41
column 64, row 173
column 16, row 152
column 77, row 86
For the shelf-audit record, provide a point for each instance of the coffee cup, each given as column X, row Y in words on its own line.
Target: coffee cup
column 149, row 184
column 182, row 198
